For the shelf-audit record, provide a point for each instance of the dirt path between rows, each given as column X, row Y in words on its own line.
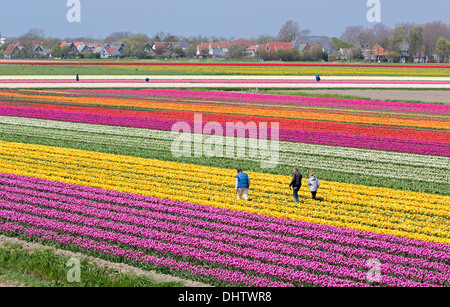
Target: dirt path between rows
column 409, row 95
column 119, row 267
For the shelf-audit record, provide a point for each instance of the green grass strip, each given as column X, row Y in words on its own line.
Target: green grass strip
column 127, row 69
column 43, row 267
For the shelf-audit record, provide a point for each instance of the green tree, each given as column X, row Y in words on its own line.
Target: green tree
column 306, row 56
column 190, row 52
column 4, row 47
column 393, row 56
column 443, row 49
column 85, row 54
column 135, row 40
column 396, row 39
column 337, row 44
column 135, row 45
column 66, row 52
column 56, row 50
column 236, row 52
column 415, row 39
column 333, row 57
column 357, row 54
column 178, row 52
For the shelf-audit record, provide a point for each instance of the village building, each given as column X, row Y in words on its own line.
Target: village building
column 15, row 51
column 273, row 47
column 217, row 50
column 242, row 43
column 251, row 50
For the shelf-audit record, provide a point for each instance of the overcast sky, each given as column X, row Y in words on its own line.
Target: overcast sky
column 229, row 18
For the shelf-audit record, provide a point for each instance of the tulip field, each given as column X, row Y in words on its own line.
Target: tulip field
column 95, row 171
column 219, row 69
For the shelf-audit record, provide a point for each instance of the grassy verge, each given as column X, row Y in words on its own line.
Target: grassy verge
column 44, row 268
column 127, row 68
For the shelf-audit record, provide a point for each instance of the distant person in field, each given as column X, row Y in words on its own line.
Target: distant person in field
column 317, row 78
column 242, row 184
column 78, row 78
column 314, row 184
column 296, row 183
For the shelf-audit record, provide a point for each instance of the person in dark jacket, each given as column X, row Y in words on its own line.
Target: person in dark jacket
column 314, row 184
column 296, row 183
column 242, row 184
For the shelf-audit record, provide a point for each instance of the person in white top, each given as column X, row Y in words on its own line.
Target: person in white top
column 314, row 184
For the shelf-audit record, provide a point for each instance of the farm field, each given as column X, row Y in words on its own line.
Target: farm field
column 418, row 96
column 228, row 69
column 100, row 171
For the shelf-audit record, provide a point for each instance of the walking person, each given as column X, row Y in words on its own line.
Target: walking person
column 314, row 184
column 296, row 183
column 242, row 184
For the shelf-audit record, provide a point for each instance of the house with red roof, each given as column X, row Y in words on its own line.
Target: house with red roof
column 160, row 47
column 223, row 45
column 251, row 50
column 15, row 51
column 71, row 45
column 377, row 53
column 241, row 43
column 202, row 47
column 183, row 45
column 82, row 47
column 114, row 52
column 273, row 47
column 64, row 43
column 93, row 46
column 215, row 49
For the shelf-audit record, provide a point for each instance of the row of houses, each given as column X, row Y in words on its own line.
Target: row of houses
column 221, row 49
column 379, row 54
column 105, row 50
column 117, row 49
column 215, row 50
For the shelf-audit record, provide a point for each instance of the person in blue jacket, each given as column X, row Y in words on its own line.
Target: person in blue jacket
column 317, row 78
column 242, row 184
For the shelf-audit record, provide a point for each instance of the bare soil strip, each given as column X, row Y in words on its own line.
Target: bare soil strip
column 386, row 95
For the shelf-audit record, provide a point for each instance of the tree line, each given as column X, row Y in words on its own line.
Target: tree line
column 430, row 39
column 427, row 39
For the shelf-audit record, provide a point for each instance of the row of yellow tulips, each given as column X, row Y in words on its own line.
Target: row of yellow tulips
column 408, row 214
